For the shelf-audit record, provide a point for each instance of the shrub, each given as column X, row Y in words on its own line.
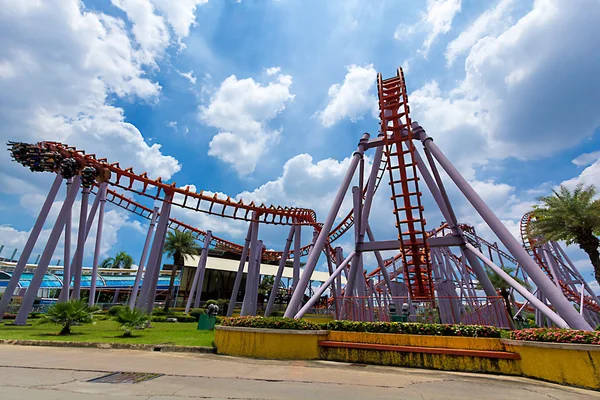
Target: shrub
column 114, row 310
column 9, row 316
column 94, row 308
column 557, row 335
column 129, row 319
column 209, row 302
column 68, row 314
column 598, row 328
column 180, row 318
column 196, row 312
column 270, row 323
column 159, row 312
column 276, row 314
column 416, row 328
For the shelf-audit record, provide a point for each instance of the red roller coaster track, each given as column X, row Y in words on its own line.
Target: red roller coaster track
column 532, row 245
column 404, row 183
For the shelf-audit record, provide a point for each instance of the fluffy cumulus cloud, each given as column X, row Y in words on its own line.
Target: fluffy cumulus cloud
column 589, row 176
column 61, row 66
column 491, row 23
column 517, row 86
column 435, row 21
column 353, row 98
column 241, row 110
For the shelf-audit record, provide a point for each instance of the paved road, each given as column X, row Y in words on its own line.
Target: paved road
column 62, row 373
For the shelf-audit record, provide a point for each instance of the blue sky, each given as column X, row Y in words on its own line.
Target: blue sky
column 266, row 100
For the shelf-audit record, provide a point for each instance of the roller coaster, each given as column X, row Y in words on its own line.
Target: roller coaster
column 443, row 270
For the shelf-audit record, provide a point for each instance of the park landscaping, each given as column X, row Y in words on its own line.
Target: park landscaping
column 108, row 331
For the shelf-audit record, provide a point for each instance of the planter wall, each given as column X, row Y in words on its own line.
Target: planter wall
column 448, row 342
column 268, row 343
column 569, row 364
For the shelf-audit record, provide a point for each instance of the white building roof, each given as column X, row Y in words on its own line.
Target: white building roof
column 225, row 264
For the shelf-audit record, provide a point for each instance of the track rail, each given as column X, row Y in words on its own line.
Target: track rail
column 532, row 245
column 404, row 183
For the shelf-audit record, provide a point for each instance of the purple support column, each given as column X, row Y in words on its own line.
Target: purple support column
column 77, row 267
column 240, row 273
column 155, row 253
column 380, row 262
column 202, row 268
column 193, row 287
column 246, row 305
column 577, row 273
column 334, row 288
column 158, row 265
column 296, row 265
column 277, row 280
column 354, row 278
column 140, row 271
column 101, row 196
column 64, row 293
column 315, row 297
column 29, row 245
column 562, row 305
column 560, row 322
column 42, row 267
column 254, row 299
column 313, row 257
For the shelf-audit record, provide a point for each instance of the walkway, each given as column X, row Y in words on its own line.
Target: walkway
column 61, row 373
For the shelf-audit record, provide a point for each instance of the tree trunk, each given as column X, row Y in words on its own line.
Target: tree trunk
column 590, row 243
column 506, row 296
column 178, row 260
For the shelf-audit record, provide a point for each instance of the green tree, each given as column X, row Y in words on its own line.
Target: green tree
column 67, row 314
column 178, row 245
column 503, row 287
column 121, row 260
column 129, row 319
column 573, row 217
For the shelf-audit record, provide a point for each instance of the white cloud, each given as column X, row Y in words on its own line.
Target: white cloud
column 589, row 176
column 503, row 107
column 353, row 98
column 180, row 14
column 273, row 70
column 64, row 98
column 492, row 22
column 241, row 110
column 189, row 76
column 149, row 29
column 435, row 21
column 586, row 159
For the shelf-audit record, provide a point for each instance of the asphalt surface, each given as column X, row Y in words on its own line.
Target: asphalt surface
column 63, row 373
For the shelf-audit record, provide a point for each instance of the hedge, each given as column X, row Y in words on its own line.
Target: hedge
column 557, row 335
column 269, row 323
column 180, row 318
column 412, row 328
column 374, row 327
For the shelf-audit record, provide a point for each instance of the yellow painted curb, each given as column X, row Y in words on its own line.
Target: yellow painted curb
column 268, row 343
column 396, row 339
column 568, row 364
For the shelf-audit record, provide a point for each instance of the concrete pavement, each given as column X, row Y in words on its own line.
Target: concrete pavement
column 62, row 373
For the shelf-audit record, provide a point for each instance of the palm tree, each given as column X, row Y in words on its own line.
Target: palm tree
column 573, row 217
column 67, row 314
column 503, row 287
column 121, row 260
column 129, row 319
column 179, row 245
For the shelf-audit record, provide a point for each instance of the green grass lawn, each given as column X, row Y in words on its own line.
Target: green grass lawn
column 183, row 334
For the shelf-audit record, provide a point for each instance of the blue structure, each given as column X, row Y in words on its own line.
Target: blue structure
column 104, row 282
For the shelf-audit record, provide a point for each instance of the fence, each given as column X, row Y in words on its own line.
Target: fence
column 489, row 311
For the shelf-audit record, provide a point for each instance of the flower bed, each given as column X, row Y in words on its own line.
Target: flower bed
column 269, row 323
column 416, row 328
column 557, row 336
column 372, row 327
